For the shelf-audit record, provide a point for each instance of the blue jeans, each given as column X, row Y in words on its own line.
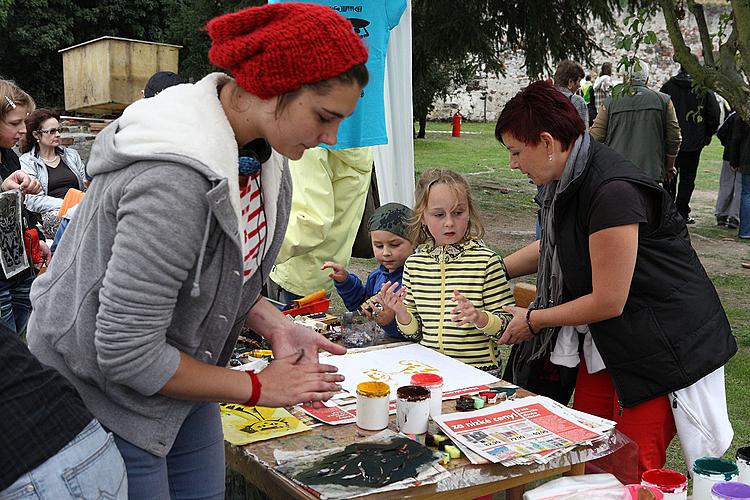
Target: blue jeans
column 745, row 207
column 15, row 305
column 193, row 468
column 89, row 466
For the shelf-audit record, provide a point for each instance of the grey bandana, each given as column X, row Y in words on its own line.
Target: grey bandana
column 549, row 283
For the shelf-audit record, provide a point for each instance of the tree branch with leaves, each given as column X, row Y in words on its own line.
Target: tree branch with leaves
column 727, row 73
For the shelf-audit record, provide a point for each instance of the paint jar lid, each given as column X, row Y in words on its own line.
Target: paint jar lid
column 373, row 389
column 744, row 454
column 412, row 393
column 731, row 491
column 710, row 466
column 666, row 480
column 633, row 489
column 428, row 380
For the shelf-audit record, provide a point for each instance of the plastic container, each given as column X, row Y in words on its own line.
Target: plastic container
column 633, row 490
column 709, row 471
column 730, row 491
column 372, row 405
column 743, row 464
column 673, row 484
column 318, row 306
column 434, row 383
column 412, row 409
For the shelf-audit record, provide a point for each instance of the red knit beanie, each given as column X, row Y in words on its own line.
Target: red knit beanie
column 277, row 48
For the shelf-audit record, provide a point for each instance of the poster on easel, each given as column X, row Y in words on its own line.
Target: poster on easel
column 14, row 258
column 395, row 366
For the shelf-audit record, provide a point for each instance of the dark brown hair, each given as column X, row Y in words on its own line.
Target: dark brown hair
column 568, row 70
column 356, row 74
column 538, row 108
column 33, row 124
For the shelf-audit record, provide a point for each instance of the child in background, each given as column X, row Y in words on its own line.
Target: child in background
column 389, row 234
column 454, row 287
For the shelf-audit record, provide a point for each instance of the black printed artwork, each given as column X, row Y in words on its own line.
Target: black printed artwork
column 369, row 464
column 14, row 259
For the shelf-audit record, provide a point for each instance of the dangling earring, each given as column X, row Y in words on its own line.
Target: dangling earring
column 549, row 157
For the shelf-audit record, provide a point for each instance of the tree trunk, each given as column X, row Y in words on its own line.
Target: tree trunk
column 422, row 126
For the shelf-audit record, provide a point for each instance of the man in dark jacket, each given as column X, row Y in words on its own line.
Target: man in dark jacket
column 698, row 113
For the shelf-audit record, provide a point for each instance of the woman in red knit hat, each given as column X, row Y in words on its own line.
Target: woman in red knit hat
column 164, row 262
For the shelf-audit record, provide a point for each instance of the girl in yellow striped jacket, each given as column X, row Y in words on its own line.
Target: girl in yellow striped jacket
column 454, row 287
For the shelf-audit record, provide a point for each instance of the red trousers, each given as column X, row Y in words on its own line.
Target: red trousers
column 650, row 424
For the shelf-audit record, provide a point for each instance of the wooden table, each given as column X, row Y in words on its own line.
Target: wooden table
column 255, row 461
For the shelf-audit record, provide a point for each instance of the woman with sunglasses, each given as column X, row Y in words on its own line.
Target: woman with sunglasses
column 15, row 105
column 56, row 167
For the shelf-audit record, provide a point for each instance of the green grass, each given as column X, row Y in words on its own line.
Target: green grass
column 502, row 193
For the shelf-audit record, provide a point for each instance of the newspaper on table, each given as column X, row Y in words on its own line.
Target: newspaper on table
column 534, row 429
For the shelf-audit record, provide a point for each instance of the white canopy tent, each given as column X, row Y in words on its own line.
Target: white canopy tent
column 394, row 162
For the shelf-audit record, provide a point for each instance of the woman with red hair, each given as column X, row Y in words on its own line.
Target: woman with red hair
column 618, row 280
column 163, row 264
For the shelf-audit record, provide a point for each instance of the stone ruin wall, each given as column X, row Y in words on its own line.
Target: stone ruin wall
column 500, row 89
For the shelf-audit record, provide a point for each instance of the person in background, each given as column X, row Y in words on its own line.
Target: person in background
column 612, row 249
column 568, row 80
column 454, row 286
column 160, row 81
column 587, row 92
column 698, row 115
column 727, row 209
column 602, row 85
column 739, row 160
column 163, row 263
column 391, row 246
column 57, row 167
column 641, row 126
column 15, row 305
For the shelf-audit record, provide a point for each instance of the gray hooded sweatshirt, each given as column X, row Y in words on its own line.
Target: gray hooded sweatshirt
column 152, row 264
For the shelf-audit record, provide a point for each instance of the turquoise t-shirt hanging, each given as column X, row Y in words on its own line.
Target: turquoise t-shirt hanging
column 373, row 21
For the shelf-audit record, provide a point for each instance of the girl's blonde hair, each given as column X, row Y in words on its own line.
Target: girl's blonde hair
column 459, row 187
column 11, row 96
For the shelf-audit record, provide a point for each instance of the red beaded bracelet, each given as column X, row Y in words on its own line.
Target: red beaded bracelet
column 528, row 323
column 255, row 395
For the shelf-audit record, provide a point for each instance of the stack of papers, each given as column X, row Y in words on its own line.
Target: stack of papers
column 530, row 430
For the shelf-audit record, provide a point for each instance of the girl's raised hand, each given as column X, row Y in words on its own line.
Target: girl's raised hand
column 465, row 313
column 338, row 273
column 394, row 299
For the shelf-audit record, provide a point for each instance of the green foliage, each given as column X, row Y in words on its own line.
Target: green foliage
column 187, row 28
column 37, row 29
column 455, row 42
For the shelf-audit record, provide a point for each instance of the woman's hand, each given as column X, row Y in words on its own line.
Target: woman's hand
column 338, row 272
column 289, row 380
column 517, row 330
column 23, row 181
column 296, row 338
column 46, row 254
column 465, row 313
column 393, row 299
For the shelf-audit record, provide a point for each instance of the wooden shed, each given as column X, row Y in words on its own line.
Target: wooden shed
column 107, row 74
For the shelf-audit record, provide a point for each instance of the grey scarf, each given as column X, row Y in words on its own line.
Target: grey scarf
column 549, row 284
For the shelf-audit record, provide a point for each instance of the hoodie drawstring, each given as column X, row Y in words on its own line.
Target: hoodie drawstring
column 196, row 290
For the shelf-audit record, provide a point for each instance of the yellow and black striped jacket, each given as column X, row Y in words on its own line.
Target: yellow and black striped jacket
column 431, row 275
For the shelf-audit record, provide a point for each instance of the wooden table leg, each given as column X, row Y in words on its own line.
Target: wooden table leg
column 577, row 470
column 515, row 493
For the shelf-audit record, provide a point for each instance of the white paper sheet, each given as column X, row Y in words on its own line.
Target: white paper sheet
column 395, row 366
